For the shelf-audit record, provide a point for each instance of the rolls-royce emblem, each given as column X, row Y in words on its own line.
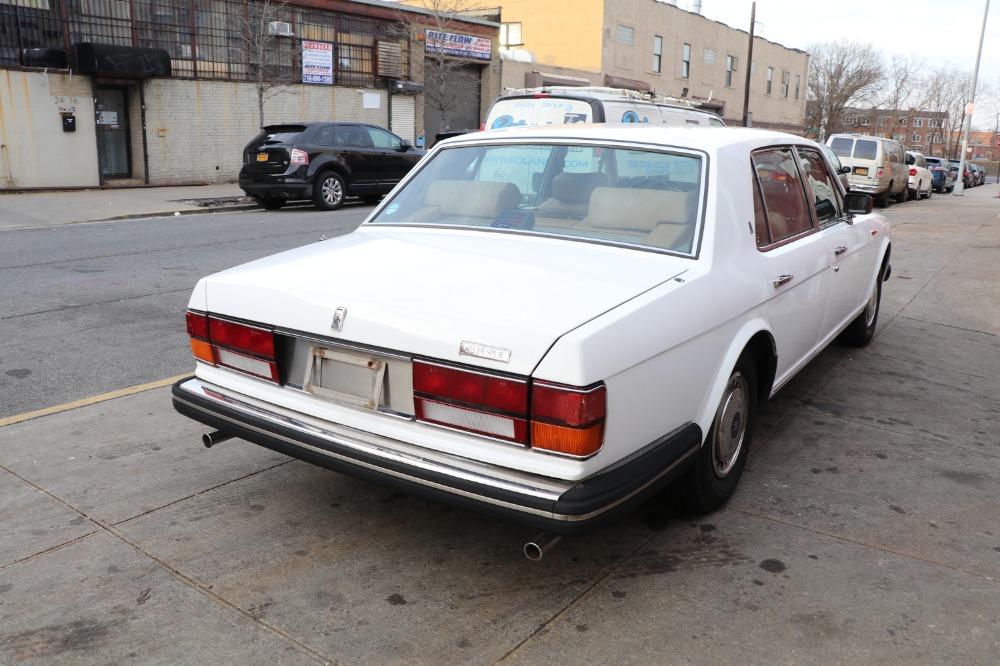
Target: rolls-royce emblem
column 484, row 351
column 338, row 319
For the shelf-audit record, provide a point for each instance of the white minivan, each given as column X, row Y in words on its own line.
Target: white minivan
column 562, row 105
column 878, row 166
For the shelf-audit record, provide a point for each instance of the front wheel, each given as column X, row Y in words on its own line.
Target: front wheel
column 716, row 471
column 268, row 202
column 328, row 192
column 861, row 331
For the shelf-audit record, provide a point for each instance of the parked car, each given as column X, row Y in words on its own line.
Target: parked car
column 921, row 182
column 966, row 176
column 324, row 162
column 557, row 105
column 944, row 177
column 547, row 324
column 878, row 166
column 980, row 174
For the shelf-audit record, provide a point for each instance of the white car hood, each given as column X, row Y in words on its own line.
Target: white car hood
column 425, row 291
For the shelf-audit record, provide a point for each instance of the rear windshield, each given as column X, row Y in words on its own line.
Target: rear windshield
column 649, row 198
column 281, row 133
column 842, row 146
column 538, row 111
column 862, row 149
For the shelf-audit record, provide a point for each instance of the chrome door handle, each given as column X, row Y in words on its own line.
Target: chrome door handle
column 840, row 250
column 782, row 279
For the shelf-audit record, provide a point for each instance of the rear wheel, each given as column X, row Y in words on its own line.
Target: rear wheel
column 713, row 477
column 329, row 191
column 269, row 202
column 882, row 200
column 928, row 193
column 901, row 197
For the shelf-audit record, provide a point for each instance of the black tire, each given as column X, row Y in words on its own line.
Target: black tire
column 950, row 189
column 269, row 203
column 882, row 200
column 901, row 197
column 329, row 191
column 930, row 191
column 860, row 331
column 718, row 466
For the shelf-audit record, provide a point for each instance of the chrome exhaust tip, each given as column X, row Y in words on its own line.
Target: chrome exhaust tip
column 210, row 439
column 535, row 549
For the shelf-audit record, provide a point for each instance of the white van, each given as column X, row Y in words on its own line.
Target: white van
column 559, row 105
column 878, row 166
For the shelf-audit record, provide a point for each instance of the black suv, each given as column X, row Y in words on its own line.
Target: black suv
column 324, row 162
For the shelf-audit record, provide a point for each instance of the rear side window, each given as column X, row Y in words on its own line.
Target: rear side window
column 783, row 197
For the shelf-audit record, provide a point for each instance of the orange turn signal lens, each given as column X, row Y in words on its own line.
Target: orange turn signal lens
column 578, row 442
column 202, row 351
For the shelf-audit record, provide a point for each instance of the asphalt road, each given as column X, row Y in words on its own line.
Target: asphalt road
column 866, row 529
column 93, row 308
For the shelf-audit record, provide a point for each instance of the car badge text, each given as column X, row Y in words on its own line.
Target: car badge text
column 484, row 351
column 339, row 315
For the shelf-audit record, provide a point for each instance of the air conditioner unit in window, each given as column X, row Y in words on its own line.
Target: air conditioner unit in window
column 280, row 29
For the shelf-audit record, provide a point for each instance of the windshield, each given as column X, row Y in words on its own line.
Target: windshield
column 650, row 198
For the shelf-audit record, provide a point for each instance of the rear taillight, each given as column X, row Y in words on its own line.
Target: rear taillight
column 558, row 419
column 242, row 347
column 880, row 172
column 485, row 404
column 913, row 172
column 567, row 419
column 299, row 156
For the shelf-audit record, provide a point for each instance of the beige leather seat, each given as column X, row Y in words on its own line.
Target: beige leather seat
column 570, row 196
column 657, row 218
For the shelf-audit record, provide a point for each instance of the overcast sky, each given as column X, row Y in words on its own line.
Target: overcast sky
column 940, row 31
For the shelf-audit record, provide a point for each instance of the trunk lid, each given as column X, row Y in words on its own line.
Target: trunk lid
column 424, row 292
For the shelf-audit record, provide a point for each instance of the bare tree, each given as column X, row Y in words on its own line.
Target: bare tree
column 904, row 92
column 439, row 67
column 269, row 51
column 841, row 74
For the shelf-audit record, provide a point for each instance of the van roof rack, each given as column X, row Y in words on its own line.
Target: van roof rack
column 627, row 93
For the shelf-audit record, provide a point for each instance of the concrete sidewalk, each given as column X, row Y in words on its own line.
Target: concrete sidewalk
column 44, row 208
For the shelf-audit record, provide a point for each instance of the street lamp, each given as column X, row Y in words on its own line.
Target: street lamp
column 970, row 107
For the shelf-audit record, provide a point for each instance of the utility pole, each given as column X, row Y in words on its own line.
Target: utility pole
column 970, row 107
column 749, row 66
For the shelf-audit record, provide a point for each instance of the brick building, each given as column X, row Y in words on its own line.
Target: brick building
column 919, row 130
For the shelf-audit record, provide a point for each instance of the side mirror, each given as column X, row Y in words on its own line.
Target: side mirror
column 844, row 170
column 858, row 203
column 404, row 146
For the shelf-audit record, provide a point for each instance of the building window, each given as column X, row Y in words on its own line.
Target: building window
column 709, row 56
column 851, row 120
column 935, row 138
column 902, row 122
column 510, row 35
column 730, row 68
column 657, row 53
column 785, row 78
column 879, row 135
column 883, row 121
column 626, row 35
column 915, row 138
column 899, row 137
column 798, row 85
column 919, row 122
column 934, row 123
column 686, row 61
column 866, row 121
column 770, row 79
column 753, row 67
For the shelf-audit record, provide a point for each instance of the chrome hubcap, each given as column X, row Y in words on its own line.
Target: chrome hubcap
column 730, row 426
column 872, row 307
column 332, row 191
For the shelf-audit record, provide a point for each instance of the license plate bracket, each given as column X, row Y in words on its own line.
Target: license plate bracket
column 353, row 379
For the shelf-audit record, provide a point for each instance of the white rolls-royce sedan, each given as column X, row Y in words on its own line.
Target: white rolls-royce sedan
column 547, row 324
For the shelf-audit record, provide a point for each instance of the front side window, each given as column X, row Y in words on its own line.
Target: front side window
column 637, row 197
column 826, row 195
column 382, row 139
column 786, row 212
column 686, row 61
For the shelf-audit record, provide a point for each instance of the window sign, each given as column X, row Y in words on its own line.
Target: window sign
column 465, row 46
column 317, row 62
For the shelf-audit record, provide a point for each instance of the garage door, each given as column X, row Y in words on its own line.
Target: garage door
column 465, row 83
